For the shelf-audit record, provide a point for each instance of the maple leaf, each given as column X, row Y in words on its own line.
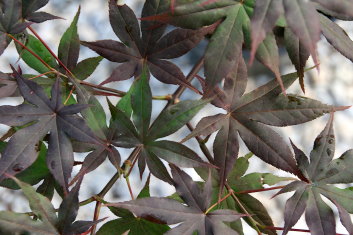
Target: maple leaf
column 252, row 22
column 49, row 222
column 30, row 8
column 151, row 48
column 249, row 114
column 139, row 133
column 129, row 222
column 10, row 16
column 305, row 25
column 226, row 42
column 69, row 50
column 193, row 217
column 45, row 116
column 239, row 182
column 321, row 172
column 12, row 13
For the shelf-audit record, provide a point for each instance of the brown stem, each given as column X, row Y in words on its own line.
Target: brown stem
column 96, row 216
column 30, row 51
column 254, row 223
column 202, row 144
column 122, row 93
column 259, row 190
column 219, row 201
column 8, row 134
column 70, row 94
column 40, row 75
column 130, row 189
column 133, row 157
column 76, row 163
column 189, row 78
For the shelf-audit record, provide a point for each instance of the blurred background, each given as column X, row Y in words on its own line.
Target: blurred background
column 333, row 85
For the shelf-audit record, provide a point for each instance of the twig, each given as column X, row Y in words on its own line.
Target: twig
column 130, row 189
column 96, row 216
column 202, row 145
column 259, row 190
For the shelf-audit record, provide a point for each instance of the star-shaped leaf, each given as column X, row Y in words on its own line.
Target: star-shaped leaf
column 10, row 15
column 139, row 133
column 321, row 172
column 249, row 114
column 45, row 116
column 194, row 217
column 299, row 16
column 151, row 48
column 49, row 222
column 227, row 40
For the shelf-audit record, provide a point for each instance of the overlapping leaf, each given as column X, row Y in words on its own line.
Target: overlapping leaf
column 224, row 50
column 128, row 222
column 192, row 218
column 45, row 116
column 12, row 13
column 30, row 11
column 7, row 86
column 249, row 114
column 150, row 48
column 49, row 222
column 320, row 172
column 139, row 133
column 240, row 182
column 301, row 17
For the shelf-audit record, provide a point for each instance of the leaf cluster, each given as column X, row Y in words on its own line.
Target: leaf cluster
column 60, row 115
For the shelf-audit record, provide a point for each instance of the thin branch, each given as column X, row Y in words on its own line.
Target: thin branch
column 259, row 190
column 130, row 189
column 197, row 67
column 96, row 216
column 132, row 158
column 8, row 134
column 202, row 144
column 41, row 75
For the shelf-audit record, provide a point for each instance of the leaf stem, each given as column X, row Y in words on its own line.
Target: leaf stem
column 41, row 75
column 133, row 157
column 197, row 67
column 96, row 216
column 254, row 222
column 130, row 189
column 30, row 51
column 50, row 51
column 202, row 145
column 219, row 201
column 8, row 134
column 259, row 190
column 70, row 94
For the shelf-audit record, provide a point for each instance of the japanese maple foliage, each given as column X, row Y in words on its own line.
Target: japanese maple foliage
column 60, row 115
